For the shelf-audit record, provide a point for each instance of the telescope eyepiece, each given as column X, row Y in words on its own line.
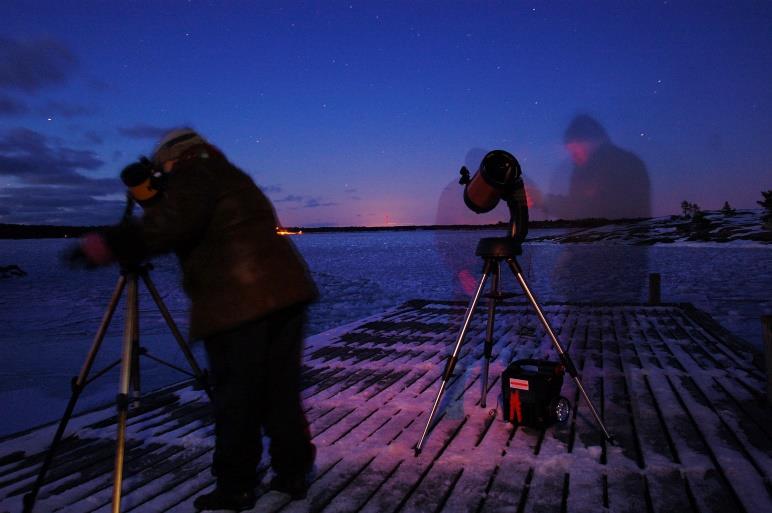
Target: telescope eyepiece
column 501, row 170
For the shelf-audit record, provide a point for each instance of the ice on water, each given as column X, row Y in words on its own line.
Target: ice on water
column 48, row 318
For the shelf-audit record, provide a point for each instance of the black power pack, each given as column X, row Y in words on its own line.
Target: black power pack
column 531, row 393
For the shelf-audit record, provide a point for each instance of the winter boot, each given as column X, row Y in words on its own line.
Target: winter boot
column 222, row 498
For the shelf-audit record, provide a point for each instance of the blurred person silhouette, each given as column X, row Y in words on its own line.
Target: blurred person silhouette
column 460, row 258
column 607, row 182
column 249, row 289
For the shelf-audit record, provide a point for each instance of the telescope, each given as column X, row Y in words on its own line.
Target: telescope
column 143, row 179
column 499, row 177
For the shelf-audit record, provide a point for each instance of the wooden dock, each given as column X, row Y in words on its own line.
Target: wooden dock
column 685, row 403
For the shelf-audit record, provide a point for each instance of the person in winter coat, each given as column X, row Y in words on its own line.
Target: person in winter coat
column 249, row 289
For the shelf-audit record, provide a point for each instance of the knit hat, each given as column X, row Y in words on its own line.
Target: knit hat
column 585, row 128
column 175, row 143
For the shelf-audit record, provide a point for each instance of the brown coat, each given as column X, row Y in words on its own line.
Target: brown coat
column 223, row 229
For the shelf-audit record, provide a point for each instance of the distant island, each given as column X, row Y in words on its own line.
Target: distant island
column 708, row 226
column 30, row 231
column 43, row 231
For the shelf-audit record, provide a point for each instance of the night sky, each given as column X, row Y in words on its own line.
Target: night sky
column 361, row 113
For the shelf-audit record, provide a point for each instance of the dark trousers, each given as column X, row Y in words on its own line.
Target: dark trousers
column 256, row 374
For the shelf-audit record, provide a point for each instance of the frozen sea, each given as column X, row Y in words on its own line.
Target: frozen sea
column 48, row 318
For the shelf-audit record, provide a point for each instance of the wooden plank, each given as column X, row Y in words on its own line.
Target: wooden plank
column 748, row 480
column 653, row 433
column 585, row 488
column 87, row 486
column 413, row 468
column 364, row 485
column 342, row 430
column 548, row 488
column 626, row 491
column 473, row 485
column 704, row 481
column 510, row 486
column 276, row 501
column 324, row 490
column 708, row 485
column 465, row 454
column 157, row 481
column 584, row 481
column 626, row 488
column 749, row 477
column 668, row 492
column 752, row 405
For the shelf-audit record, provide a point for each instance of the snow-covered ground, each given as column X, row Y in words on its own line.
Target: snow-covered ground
column 680, row 403
column 734, row 227
column 48, row 318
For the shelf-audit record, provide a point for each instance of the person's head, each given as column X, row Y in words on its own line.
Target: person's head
column 174, row 144
column 583, row 136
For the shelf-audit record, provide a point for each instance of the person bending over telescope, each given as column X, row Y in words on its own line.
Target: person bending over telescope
column 249, row 289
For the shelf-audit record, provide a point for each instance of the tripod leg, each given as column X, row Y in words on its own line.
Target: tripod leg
column 135, row 351
column 122, row 400
column 564, row 357
column 200, row 376
column 77, row 387
column 451, row 363
column 489, row 331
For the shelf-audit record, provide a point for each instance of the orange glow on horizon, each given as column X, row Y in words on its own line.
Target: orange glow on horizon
column 284, row 231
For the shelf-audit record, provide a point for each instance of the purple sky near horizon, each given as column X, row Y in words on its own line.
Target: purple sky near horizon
column 361, row 113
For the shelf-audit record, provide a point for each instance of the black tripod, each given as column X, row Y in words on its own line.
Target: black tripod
column 129, row 362
column 493, row 250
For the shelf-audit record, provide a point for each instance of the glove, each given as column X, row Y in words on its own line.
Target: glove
column 92, row 251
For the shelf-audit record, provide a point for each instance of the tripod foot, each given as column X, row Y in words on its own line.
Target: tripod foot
column 612, row 441
column 416, row 452
column 28, row 502
column 202, row 381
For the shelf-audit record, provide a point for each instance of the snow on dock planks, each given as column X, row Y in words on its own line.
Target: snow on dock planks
column 685, row 403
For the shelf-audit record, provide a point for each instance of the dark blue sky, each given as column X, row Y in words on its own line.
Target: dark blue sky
column 360, row 113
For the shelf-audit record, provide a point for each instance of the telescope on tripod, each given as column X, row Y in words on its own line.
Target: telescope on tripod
column 129, row 384
column 499, row 177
